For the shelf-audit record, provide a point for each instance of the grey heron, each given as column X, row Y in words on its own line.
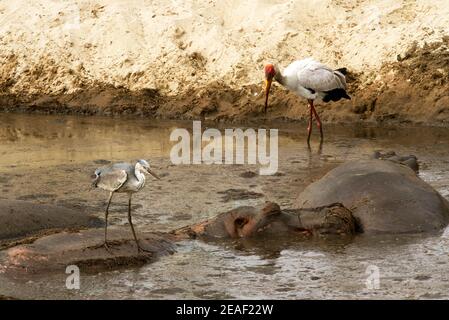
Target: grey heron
column 123, row 178
column 309, row 79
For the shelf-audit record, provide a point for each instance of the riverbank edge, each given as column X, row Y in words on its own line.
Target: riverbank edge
column 412, row 90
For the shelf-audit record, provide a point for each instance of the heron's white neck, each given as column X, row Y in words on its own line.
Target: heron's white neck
column 138, row 172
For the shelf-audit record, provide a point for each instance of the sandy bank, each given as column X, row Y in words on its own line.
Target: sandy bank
column 192, row 59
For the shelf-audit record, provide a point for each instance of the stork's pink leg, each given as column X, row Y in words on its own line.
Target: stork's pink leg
column 318, row 121
column 309, row 128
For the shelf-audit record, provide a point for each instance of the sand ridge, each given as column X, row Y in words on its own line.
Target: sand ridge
column 190, row 59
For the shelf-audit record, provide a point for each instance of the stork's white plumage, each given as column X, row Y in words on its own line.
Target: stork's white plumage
column 309, row 79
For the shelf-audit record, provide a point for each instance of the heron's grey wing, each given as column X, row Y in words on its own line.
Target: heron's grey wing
column 321, row 78
column 112, row 180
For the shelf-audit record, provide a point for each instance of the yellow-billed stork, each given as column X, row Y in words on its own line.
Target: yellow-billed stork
column 309, row 79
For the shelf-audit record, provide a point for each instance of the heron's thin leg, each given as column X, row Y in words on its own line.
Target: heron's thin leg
column 309, row 128
column 139, row 248
column 105, row 243
column 318, row 121
column 106, row 220
column 131, row 221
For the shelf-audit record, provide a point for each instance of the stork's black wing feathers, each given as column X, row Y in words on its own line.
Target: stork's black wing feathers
column 335, row 95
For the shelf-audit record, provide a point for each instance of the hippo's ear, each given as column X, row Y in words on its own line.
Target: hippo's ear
column 271, row 208
column 233, row 223
column 240, row 222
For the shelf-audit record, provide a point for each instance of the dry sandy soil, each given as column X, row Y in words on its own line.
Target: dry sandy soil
column 203, row 59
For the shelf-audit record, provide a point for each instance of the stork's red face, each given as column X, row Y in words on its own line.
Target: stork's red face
column 270, row 72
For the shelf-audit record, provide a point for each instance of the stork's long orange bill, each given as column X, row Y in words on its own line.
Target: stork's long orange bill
column 267, row 92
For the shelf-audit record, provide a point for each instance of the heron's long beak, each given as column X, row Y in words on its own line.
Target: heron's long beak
column 267, row 92
column 153, row 174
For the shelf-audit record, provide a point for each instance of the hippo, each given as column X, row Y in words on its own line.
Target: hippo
column 410, row 160
column 269, row 220
column 19, row 219
column 384, row 194
column 56, row 251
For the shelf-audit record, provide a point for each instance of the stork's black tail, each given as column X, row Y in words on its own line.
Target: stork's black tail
column 335, row 95
column 343, row 71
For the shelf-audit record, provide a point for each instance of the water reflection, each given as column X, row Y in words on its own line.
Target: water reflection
column 51, row 140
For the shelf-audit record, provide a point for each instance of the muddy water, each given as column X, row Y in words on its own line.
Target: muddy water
column 49, row 159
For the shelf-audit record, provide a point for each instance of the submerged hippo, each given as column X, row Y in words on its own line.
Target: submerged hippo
column 270, row 220
column 384, row 194
column 19, row 219
column 55, row 252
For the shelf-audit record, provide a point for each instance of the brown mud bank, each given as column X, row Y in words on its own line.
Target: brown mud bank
column 412, row 89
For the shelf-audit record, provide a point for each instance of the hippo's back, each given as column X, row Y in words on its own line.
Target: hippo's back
column 383, row 196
